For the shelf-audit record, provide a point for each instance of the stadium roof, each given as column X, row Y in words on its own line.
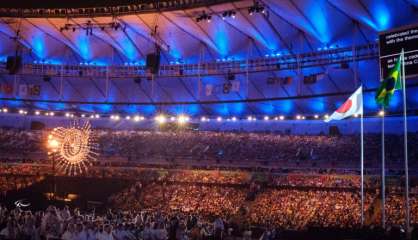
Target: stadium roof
column 33, row 4
column 288, row 27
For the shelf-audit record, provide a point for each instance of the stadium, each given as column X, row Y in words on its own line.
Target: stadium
column 216, row 119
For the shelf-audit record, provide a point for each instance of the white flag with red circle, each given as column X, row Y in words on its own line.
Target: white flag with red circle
column 353, row 106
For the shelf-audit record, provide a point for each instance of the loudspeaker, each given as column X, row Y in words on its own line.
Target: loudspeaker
column 36, row 125
column 310, row 79
column 231, row 77
column 334, row 131
column 13, row 64
column 10, row 62
column 153, row 62
column 287, row 80
column 227, row 88
column 271, row 81
column 47, row 78
column 344, row 65
column 137, row 80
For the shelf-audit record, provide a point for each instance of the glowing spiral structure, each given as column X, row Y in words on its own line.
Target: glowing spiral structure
column 74, row 147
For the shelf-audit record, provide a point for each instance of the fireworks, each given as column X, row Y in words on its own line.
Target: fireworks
column 74, row 147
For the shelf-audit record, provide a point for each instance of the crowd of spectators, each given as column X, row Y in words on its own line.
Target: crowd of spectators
column 297, row 209
column 204, row 200
column 256, row 149
column 24, row 169
column 288, row 208
column 259, row 148
column 278, row 210
column 231, row 176
column 308, row 184
column 11, row 182
column 316, row 181
column 67, row 224
column 291, row 201
column 201, row 176
column 14, row 141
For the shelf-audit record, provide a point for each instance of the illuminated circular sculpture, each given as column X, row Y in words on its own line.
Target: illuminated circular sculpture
column 74, row 148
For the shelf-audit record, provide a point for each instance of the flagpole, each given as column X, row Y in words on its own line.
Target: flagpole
column 383, row 170
column 362, row 160
column 405, row 124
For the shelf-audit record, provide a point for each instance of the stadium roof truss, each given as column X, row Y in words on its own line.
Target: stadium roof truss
column 98, row 54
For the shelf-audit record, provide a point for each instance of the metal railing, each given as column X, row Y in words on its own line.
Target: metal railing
column 141, row 7
column 266, row 64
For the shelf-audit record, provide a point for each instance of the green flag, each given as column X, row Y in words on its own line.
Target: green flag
column 391, row 83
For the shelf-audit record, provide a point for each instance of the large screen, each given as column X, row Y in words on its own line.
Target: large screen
column 391, row 44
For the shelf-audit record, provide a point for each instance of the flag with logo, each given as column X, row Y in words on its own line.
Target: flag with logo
column 23, row 90
column 208, row 89
column 353, row 106
column 34, row 90
column 235, row 86
column 390, row 84
column 7, row 88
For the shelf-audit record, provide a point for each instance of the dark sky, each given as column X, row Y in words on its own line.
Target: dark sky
column 65, row 3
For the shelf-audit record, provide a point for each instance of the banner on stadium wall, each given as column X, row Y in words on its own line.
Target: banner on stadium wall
column 29, row 90
column 208, row 89
column 6, row 88
column 35, row 90
column 23, row 90
column 224, row 88
column 235, row 86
